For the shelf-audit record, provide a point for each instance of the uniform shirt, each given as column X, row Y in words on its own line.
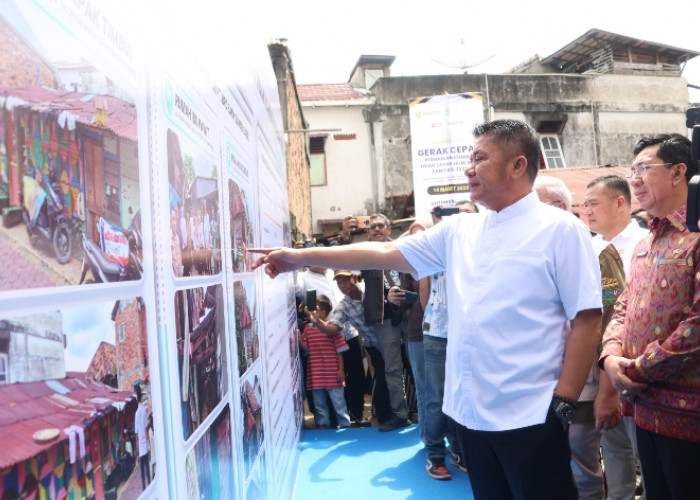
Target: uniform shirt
column 626, row 241
column 353, row 311
column 515, row 277
column 322, row 365
column 656, row 323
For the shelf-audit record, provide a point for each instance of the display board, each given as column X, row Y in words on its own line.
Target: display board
column 441, row 144
column 139, row 353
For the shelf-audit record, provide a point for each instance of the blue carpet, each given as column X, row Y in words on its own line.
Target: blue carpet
column 365, row 463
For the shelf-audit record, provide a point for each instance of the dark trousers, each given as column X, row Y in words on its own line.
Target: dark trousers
column 530, row 463
column 355, row 379
column 145, row 466
column 671, row 466
column 380, row 393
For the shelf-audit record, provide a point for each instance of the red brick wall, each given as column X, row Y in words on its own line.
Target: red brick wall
column 132, row 352
column 19, row 64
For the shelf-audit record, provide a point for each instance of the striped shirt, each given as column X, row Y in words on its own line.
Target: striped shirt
column 322, row 366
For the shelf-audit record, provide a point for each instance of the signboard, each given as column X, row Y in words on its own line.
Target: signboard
column 442, row 142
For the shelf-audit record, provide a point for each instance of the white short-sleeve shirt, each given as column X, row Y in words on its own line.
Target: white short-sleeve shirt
column 514, row 278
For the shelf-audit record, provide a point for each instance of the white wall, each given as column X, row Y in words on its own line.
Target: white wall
column 348, row 166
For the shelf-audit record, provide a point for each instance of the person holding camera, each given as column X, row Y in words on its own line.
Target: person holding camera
column 651, row 348
column 515, row 275
column 384, row 318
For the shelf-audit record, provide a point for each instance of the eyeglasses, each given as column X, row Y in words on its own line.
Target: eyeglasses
column 640, row 169
column 378, row 225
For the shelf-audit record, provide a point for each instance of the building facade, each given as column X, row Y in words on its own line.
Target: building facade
column 590, row 101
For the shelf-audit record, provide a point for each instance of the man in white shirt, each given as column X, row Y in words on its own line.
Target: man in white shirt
column 607, row 209
column 516, row 274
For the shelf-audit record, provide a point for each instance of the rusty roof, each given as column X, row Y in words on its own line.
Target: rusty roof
column 577, row 178
column 78, row 106
column 26, row 408
column 328, row 92
column 573, row 52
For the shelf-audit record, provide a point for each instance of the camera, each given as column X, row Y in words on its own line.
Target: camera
column 311, row 300
column 444, row 211
column 693, row 211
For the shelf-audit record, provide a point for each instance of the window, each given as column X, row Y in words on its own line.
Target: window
column 317, row 158
column 121, row 332
column 3, row 369
column 551, row 151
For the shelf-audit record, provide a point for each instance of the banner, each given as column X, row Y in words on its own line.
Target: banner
column 140, row 355
column 441, row 143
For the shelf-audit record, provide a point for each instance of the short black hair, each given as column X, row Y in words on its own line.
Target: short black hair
column 324, row 303
column 518, row 136
column 673, row 148
column 615, row 183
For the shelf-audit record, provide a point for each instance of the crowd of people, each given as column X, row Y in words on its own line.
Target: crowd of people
column 535, row 340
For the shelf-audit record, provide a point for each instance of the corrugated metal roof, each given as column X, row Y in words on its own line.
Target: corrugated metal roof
column 78, row 106
column 595, row 38
column 26, row 408
column 328, row 92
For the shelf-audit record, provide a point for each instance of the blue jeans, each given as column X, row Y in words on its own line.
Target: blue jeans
column 438, row 426
column 415, row 357
column 321, row 413
column 389, row 340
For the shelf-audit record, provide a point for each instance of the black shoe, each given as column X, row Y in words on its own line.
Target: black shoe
column 360, row 422
column 393, row 423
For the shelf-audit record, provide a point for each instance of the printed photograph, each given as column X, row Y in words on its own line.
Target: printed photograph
column 252, row 406
column 69, row 171
column 75, row 385
column 241, row 228
column 246, row 327
column 195, row 226
column 201, row 353
column 210, row 463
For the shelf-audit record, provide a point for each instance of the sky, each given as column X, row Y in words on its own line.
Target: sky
column 85, row 328
column 326, row 39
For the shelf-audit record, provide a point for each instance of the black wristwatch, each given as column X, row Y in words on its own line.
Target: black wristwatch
column 564, row 408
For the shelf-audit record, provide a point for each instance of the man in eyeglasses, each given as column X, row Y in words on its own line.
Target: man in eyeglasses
column 515, row 275
column 607, row 205
column 384, row 320
column 651, row 348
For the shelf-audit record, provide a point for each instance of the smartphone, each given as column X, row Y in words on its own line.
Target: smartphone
column 311, row 300
column 409, row 297
column 362, row 221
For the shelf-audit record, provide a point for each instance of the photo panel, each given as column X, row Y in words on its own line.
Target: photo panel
column 200, row 337
column 209, row 465
column 82, row 420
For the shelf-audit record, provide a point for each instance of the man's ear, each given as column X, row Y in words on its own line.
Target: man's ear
column 519, row 166
column 679, row 175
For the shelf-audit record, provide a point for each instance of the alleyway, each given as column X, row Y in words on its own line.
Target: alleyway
column 26, row 266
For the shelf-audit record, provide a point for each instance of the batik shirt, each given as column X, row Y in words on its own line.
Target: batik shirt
column 656, row 323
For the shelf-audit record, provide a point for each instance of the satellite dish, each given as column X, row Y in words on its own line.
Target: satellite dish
column 463, row 57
